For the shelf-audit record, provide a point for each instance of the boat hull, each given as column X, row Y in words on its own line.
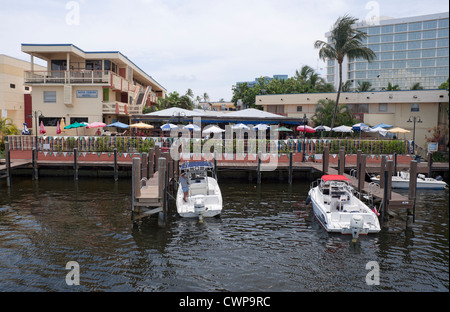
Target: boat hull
column 200, row 205
column 341, row 222
column 398, row 183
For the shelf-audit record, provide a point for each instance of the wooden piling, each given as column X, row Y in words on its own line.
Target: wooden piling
column 116, row 171
column 382, row 168
column 361, row 173
column 430, row 164
column 75, row 164
column 135, row 183
column 162, row 168
column 388, row 183
column 290, row 167
column 412, row 188
column 144, row 164
column 341, row 161
column 258, row 168
column 34, row 165
column 325, row 159
column 151, row 163
column 8, row 164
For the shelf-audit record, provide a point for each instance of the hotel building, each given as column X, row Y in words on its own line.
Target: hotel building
column 408, row 51
column 84, row 86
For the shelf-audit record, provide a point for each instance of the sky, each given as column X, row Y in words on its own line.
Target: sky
column 204, row 45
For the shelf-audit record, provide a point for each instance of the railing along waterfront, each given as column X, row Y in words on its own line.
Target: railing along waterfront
column 142, row 144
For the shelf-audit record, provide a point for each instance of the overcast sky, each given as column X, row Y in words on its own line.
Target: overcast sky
column 205, row 45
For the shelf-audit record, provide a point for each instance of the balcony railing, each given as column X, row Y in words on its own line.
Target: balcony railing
column 121, row 108
column 100, row 77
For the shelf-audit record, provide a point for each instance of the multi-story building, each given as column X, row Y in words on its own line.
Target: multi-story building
column 15, row 99
column 408, row 51
column 87, row 86
column 390, row 107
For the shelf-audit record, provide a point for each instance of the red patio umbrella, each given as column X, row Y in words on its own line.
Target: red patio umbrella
column 307, row 129
column 58, row 128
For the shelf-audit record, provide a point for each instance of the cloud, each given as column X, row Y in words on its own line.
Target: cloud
column 205, row 45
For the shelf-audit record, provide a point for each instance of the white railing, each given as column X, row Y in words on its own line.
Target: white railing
column 121, row 108
column 68, row 77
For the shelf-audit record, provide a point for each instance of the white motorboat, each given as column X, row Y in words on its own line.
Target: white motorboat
column 338, row 209
column 204, row 197
column 401, row 181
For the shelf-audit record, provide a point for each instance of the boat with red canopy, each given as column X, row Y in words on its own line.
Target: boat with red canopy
column 338, row 209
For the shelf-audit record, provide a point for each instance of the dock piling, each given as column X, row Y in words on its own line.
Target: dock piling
column 116, row 171
column 290, row 167
column 8, row 164
column 412, row 189
column 75, row 164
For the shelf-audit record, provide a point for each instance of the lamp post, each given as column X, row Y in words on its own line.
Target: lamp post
column 36, row 124
column 305, row 121
column 414, row 130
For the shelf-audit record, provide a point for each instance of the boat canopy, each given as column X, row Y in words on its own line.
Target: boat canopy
column 196, row 165
column 334, row 177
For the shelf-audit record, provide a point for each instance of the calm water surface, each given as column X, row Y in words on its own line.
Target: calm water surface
column 265, row 240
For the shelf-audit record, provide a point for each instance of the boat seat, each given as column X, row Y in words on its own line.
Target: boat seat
column 198, row 189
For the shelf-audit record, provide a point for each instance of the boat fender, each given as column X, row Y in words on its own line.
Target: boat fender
column 308, row 200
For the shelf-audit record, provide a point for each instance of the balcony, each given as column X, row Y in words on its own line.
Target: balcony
column 120, row 108
column 103, row 78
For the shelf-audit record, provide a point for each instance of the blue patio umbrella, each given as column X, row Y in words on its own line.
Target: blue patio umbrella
column 118, row 124
column 382, row 125
column 360, row 127
column 168, row 127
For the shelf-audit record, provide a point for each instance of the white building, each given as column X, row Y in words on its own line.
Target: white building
column 409, row 50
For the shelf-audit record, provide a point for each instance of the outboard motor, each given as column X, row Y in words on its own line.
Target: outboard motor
column 438, row 178
column 356, row 225
column 199, row 207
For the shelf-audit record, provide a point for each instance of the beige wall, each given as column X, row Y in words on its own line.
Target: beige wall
column 397, row 114
column 12, row 99
column 81, row 107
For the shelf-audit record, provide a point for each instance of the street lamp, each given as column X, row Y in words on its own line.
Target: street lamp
column 36, row 124
column 305, row 121
column 414, row 130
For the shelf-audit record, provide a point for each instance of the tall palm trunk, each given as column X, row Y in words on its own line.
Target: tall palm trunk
column 337, row 97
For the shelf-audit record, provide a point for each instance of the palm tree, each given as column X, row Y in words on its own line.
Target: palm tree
column 391, row 87
column 344, row 41
column 364, row 86
column 416, row 86
column 7, row 127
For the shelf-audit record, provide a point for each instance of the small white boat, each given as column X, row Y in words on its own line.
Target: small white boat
column 204, row 197
column 401, row 181
column 338, row 209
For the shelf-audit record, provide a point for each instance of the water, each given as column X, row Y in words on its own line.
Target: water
column 265, row 240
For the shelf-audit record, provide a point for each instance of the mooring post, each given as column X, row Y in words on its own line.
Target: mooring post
column 162, row 166
column 215, row 166
column 144, row 164
column 412, row 191
column 34, row 165
column 430, row 164
column 258, row 168
column 384, row 211
column 8, row 165
column 361, row 173
column 388, row 183
column 341, row 161
column 151, row 161
column 75, row 163
column 325, row 159
column 395, row 163
column 290, row 167
column 382, row 168
column 135, row 183
column 116, row 172
column 157, row 155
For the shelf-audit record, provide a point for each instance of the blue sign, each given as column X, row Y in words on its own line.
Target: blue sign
column 87, row 93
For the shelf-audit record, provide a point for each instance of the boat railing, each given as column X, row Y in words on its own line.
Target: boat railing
column 314, row 184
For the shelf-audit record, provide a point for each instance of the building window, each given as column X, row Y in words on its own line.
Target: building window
column 12, row 85
column 49, row 121
column 27, row 88
column 299, row 108
column 78, row 119
column 415, row 107
column 94, row 65
column 49, row 96
column 382, row 107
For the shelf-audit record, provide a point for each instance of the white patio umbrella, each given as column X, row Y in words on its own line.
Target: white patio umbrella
column 240, row 126
column 261, row 127
column 212, row 129
column 380, row 130
column 343, row 129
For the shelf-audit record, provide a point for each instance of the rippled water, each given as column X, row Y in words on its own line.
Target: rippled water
column 265, row 240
